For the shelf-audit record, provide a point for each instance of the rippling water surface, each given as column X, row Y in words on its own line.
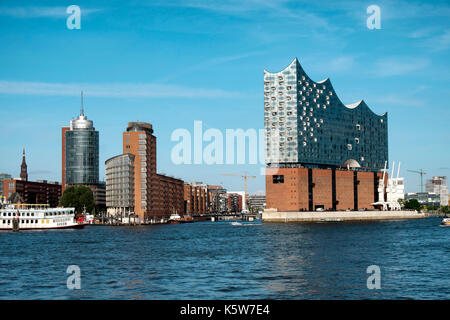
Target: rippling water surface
column 218, row 260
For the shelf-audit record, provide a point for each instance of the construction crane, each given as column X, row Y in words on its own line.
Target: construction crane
column 422, row 173
column 245, row 176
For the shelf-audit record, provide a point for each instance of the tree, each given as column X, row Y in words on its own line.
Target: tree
column 78, row 197
column 413, row 204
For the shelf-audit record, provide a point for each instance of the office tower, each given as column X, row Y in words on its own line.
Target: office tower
column 156, row 196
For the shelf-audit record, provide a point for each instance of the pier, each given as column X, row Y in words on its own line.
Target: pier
column 272, row 215
column 227, row 217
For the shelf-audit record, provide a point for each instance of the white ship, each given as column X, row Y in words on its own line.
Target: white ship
column 37, row 217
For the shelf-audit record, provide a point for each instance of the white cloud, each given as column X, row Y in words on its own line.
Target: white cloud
column 343, row 63
column 147, row 90
column 399, row 100
column 251, row 8
column 399, row 66
column 40, row 12
column 210, row 63
column 440, row 42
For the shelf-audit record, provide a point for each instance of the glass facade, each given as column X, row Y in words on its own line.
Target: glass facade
column 120, row 182
column 82, row 153
column 306, row 124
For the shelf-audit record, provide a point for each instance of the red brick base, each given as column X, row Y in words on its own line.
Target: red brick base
column 307, row 189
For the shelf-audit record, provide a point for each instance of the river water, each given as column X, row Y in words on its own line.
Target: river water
column 219, row 260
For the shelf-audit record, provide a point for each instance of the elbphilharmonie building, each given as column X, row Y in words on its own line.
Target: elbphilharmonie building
column 307, row 124
column 320, row 153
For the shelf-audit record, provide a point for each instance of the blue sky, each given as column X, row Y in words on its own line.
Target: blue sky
column 172, row 62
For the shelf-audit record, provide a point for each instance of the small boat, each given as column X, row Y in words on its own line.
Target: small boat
column 445, row 222
column 174, row 219
column 177, row 219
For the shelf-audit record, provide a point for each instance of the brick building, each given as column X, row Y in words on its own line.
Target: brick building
column 234, row 203
column 156, row 196
column 320, row 153
column 217, row 199
column 3, row 176
column 39, row 192
column 196, row 198
column 309, row 189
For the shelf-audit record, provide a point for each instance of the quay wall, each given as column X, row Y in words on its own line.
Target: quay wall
column 271, row 215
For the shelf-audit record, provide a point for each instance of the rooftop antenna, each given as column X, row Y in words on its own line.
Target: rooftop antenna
column 398, row 172
column 82, row 107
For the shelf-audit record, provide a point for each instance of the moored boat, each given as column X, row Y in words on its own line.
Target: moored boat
column 37, row 217
column 177, row 219
column 445, row 222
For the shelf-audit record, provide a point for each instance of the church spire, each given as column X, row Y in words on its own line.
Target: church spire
column 23, row 167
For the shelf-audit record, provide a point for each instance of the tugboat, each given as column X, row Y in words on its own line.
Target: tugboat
column 175, row 218
column 445, row 222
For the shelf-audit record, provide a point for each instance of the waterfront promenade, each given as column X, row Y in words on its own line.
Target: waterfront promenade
column 272, row 215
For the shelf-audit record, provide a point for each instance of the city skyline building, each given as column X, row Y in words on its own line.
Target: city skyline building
column 195, row 198
column 156, row 196
column 24, row 167
column 428, row 199
column 307, row 124
column 80, row 156
column 235, row 202
column 3, row 176
column 120, row 185
column 80, row 144
column 438, row 185
column 31, row 192
column 320, row 153
column 256, row 203
column 217, row 198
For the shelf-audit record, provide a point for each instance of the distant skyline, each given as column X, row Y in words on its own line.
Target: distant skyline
column 170, row 63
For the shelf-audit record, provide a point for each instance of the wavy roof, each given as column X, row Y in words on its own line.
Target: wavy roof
column 327, row 82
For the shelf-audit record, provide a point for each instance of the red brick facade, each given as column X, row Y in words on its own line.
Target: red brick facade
column 156, row 196
column 33, row 192
column 63, row 163
column 307, row 189
column 195, row 199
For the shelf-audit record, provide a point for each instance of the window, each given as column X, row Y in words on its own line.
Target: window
column 278, row 178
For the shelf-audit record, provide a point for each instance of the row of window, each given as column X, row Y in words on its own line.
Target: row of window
column 8, row 221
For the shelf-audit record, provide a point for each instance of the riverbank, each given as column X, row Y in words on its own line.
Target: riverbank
column 272, row 215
